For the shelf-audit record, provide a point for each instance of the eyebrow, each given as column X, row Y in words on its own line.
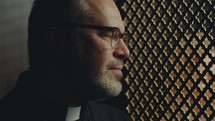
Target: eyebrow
column 90, row 26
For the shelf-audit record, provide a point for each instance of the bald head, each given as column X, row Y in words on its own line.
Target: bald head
column 48, row 13
column 104, row 11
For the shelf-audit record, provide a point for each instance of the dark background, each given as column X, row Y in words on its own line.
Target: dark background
column 171, row 70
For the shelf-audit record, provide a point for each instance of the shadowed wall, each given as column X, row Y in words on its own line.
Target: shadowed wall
column 13, row 41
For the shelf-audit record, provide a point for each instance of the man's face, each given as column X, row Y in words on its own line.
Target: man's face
column 101, row 62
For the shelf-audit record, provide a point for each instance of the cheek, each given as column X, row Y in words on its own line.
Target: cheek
column 98, row 58
column 97, row 52
column 103, row 60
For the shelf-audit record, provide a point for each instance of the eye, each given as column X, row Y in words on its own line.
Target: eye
column 105, row 34
column 126, row 38
column 116, row 34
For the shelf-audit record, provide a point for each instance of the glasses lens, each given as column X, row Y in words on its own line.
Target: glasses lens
column 126, row 38
column 117, row 35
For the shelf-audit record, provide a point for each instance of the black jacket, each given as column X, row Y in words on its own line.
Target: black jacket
column 21, row 104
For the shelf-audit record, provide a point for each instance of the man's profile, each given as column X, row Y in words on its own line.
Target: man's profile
column 76, row 54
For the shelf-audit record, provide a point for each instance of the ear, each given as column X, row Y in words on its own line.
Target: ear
column 54, row 38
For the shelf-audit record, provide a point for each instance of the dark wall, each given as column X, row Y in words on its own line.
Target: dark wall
column 13, row 41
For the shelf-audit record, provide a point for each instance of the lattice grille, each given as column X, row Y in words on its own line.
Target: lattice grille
column 171, row 68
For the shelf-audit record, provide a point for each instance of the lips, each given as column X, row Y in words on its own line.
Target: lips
column 117, row 70
column 115, row 67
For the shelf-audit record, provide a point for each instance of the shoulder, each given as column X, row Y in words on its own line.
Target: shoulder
column 106, row 112
column 16, row 104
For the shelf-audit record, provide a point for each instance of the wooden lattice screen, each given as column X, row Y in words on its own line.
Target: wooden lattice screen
column 171, row 68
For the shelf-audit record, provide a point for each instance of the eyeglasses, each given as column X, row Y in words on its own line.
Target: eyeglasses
column 116, row 34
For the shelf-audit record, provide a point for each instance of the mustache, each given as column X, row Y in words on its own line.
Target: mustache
column 114, row 64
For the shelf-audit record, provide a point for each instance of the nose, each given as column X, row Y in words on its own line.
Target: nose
column 121, row 51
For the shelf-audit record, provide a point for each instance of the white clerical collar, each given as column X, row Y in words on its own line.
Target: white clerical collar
column 73, row 113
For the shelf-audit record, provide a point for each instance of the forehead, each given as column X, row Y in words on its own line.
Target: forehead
column 106, row 13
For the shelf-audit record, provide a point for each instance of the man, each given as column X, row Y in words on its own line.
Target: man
column 76, row 52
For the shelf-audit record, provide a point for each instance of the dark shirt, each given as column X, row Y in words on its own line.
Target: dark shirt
column 21, row 104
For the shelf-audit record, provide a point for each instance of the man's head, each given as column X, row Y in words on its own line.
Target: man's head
column 77, row 49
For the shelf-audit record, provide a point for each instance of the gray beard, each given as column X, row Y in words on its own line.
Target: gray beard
column 102, row 85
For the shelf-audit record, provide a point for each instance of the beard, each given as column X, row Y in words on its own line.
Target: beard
column 102, row 84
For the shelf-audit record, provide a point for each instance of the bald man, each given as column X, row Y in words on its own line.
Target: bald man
column 76, row 54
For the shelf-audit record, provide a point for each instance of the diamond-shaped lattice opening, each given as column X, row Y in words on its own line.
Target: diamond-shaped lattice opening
column 171, row 68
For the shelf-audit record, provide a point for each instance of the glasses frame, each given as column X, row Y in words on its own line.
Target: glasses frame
column 116, row 33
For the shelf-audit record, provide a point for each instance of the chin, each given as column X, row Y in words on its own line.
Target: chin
column 104, row 85
column 109, row 87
